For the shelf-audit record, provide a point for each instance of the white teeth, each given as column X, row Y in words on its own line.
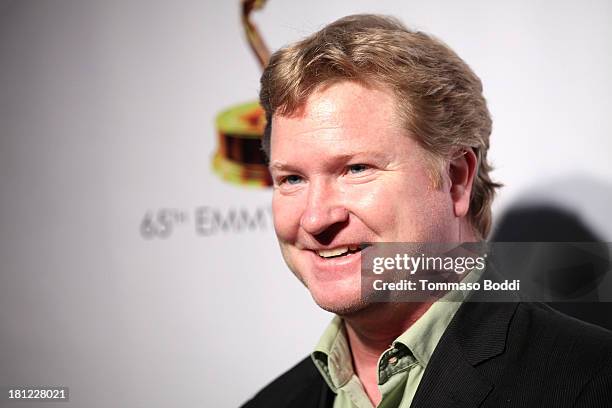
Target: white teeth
column 327, row 253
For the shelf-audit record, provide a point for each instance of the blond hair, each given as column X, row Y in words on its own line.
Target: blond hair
column 439, row 98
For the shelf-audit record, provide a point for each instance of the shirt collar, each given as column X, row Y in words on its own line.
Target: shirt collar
column 332, row 355
column 423, row 336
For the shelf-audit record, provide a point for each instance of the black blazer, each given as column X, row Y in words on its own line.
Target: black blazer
column 491, row 355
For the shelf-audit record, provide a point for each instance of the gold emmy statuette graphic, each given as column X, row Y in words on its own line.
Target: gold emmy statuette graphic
column 238, row 158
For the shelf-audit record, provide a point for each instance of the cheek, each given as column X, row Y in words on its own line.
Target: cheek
column 430, row 217
column 373, row 204
column 399, row 211
column 286, row 217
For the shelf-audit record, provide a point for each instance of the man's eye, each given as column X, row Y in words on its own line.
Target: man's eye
column 292, row 179
column 357, row 168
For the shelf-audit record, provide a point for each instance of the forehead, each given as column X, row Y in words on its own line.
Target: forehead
column 344, row 115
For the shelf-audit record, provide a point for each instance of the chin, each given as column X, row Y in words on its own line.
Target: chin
column 343, row 308
column 339, row 300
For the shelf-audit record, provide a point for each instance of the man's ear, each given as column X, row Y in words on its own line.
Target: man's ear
column 462, row 170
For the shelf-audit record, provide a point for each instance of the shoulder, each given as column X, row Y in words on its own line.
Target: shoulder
column 558, row 329
column 300, row 386
column 531, row 354
column 582, row 344
column 561, row 353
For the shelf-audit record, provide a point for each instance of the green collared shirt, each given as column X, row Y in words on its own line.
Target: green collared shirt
column 400, row 367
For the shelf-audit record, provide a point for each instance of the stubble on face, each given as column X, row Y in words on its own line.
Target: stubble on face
column 324, row 199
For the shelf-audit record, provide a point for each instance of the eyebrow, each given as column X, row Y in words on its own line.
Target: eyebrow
column 280, row 165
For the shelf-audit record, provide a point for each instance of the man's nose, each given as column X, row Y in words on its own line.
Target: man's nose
column 324, row 208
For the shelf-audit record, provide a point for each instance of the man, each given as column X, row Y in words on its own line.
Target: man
column 380, row 134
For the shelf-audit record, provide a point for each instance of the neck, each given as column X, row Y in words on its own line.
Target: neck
column 371, row 331
column 375, row 328
column 466, row 232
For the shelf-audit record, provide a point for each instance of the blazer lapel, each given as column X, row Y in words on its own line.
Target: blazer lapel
column 477, row 333
column 450, row 381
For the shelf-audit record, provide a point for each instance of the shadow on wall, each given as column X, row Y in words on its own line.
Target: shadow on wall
column 550, row 223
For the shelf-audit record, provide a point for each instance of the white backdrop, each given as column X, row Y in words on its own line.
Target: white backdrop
column 107, row 112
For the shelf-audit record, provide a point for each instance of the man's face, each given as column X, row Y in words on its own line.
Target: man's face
column 346, row 173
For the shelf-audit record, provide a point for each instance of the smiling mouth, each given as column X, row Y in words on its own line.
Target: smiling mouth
column 340, row 251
